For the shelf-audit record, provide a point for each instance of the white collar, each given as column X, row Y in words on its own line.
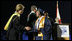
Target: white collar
column 32, row 12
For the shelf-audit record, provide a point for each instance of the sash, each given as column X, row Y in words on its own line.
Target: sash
column 41, row 25
column 8, row 23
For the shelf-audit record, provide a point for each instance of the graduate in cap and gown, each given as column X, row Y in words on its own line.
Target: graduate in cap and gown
column 43, row 26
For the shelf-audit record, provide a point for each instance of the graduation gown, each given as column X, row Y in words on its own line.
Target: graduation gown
column 45, row 29
column 30, row 22
column 14, row 27
column 31, row 19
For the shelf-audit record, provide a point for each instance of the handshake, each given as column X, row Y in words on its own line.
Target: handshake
column 27, row 28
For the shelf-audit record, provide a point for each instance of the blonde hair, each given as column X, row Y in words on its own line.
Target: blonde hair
column 19, row 7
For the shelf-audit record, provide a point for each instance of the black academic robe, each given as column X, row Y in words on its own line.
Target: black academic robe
column 32, row 18
column 31, row 22
column 14, row 28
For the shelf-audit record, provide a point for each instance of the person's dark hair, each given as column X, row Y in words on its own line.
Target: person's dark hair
column 45, row 12
column 41, row 11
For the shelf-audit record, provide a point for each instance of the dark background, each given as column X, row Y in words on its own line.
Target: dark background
column 8, row 8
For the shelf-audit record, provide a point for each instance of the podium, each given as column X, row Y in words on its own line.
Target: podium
column 63, row 32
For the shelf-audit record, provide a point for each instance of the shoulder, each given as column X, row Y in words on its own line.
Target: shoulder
column 32, row 14
column 15, row 17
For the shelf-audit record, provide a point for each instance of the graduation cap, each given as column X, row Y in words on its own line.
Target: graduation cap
column 41, row 11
